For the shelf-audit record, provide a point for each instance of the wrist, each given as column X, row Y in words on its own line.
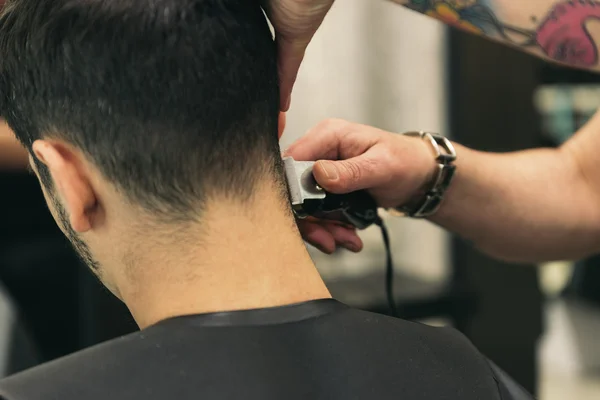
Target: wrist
column 429, row 166
column 437, row 175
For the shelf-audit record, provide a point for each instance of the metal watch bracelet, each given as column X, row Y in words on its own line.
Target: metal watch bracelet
column 427, row 204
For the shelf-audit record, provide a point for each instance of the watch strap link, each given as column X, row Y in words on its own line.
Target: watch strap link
column 445, row 154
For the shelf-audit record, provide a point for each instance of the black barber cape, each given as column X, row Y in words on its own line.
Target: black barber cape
column 310, row 351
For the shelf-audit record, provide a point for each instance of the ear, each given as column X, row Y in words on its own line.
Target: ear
column 71, row 182
column 282, row 122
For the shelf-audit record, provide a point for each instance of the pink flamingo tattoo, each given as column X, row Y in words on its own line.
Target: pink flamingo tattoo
column 563, row 35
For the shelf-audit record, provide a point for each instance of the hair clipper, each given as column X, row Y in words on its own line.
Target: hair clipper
column 309, row 199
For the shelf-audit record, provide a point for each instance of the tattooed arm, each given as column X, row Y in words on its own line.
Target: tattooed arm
column 12, row 154
column 529, row 206
column 564, row 31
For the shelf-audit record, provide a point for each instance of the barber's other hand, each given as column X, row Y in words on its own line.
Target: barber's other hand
column 393, row 168
column 295, row 23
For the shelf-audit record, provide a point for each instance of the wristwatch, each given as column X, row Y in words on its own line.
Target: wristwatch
column 427, row 203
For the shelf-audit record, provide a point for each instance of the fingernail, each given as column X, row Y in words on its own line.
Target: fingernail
column 324, row 249
column 288, row 103
column 351, row 246
column 330, row 171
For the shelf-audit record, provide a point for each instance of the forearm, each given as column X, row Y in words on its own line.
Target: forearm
column 564, row 31
column 527, row 206
column 12, row 154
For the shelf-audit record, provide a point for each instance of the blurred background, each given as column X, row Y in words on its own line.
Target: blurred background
column 378, row 64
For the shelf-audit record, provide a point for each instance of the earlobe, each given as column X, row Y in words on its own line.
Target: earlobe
column 71, row 183
column 282, row 122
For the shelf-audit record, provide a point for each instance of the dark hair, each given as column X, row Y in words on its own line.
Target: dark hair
column 173, row 100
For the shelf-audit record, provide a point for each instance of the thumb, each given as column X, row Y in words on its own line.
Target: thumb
column 347, row 176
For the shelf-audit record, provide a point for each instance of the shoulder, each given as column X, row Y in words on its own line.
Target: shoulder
column 509, row 389
column 69, row 377
column 441, row 351
column 440, row 340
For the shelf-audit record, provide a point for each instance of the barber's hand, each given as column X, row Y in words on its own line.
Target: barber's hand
column 393, row 168
column 295, row 23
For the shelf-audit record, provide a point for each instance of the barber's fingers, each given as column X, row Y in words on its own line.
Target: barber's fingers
column 327, row 235
column 334, row 139
column 366, row 171
column 291, row 54
column 295, row 23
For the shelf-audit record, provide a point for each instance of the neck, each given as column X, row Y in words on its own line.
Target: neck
column 242, row 257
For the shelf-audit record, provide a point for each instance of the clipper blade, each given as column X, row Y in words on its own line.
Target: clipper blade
column 301, row 182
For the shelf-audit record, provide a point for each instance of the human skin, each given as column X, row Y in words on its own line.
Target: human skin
column 526, row 206
column 13, row 156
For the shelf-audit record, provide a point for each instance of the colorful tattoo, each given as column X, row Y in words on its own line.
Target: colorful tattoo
column 562, row 35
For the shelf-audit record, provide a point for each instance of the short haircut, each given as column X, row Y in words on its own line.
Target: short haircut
column 174, row 101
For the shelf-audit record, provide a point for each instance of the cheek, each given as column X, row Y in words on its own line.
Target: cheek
column 53, row 207
column 46, row 186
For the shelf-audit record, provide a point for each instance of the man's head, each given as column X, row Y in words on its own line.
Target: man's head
column 151, row 107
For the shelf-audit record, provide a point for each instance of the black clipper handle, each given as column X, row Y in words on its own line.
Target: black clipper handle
column 357, row 208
